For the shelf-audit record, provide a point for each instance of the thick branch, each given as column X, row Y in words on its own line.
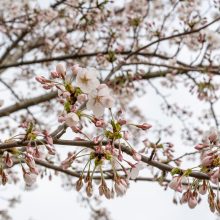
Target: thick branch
column 125, row 149
column 27, row 103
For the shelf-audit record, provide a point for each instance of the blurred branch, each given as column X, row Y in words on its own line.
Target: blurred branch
column 27, row 103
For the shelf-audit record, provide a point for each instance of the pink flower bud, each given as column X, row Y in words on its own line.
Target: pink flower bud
column 66, row 95
column 122, row 121
column 136, row 156
column 54, row 75
column 215, row 176
column 61, row 119
column 176, row 184
column 200, row 146
column 100, row 123
column 79, row 184
column 30, row 160
column 207, row 161
column 3, row 177
column 89, row 189
column 213, row 137
column 68, row 161
column 203, row 188
column 144, row 126
column 184, row 198
column 42, row 79
column 48, row 86
column 126, row 135
column 7, row 159
column 71, row 119
column 61, row 70
column 75, row 68
column 51, row 149
column 30, row 178
column 192, row 202
column 81, row 98
column 121, row 187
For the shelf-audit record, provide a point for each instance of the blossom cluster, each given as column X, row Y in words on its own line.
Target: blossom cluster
column 81, row 91
column 27, row 155
column 86, row 88
column 210, row 165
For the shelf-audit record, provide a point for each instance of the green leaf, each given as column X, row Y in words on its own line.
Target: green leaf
column 187, row 172
column 175, row 170
column 67, row 106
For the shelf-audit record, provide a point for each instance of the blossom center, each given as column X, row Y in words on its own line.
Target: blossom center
column 84, row 80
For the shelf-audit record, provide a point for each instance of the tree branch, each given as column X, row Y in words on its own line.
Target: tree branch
column 27, row 103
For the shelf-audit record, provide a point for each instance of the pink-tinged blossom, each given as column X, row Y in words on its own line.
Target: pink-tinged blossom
column 68, row 161
column 75, row 68
column 51, row 149
column 7, row 159
column 3, row 177
column 40, row 152
column 89, row 189
column 126, row 135
column 121, row 187
column 48, row 86
column 176, row 184
column 71, row 119
column 86, row 79
column 82, row 98
column 79, row 184
column 48, row 138
column 42, row 79
column 207, row 161
column 184, row 198
column 100, row 123
column 215, row 176
column 54, row 74
column 213, row 137
column 29, row 159
column 201, row 146
column 29, row 178
column 144, row 126
column 133, row 174
column 61, row 69
column 192, row 201
column 136, row 156
column 203, row 188
column 122, row 121
column 100, row 99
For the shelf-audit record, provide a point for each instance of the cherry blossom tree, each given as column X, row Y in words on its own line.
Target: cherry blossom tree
column 71, row 75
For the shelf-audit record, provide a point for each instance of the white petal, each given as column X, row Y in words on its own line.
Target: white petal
column 98, row 110
column 134, row 173
column 71, row 119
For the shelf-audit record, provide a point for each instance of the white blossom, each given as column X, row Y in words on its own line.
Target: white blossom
column 121, row 187
column 71, row 119
column 100, row 99
column 133, row 174
column 30, row 178
column 61, row 69
column 86, row 79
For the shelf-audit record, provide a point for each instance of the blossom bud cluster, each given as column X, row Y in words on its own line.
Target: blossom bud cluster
column 210, row 165
column 26, row 156
column 82, row 87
